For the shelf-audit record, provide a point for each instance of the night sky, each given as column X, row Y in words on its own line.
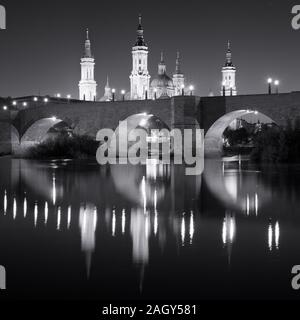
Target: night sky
column 41, row 49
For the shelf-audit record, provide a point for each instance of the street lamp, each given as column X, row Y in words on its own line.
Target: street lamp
column 46, row 100
column 4, row 108
column 53, row 119
column 58, row 95
column 114, row 94
column 123, row 92
column 69, row 96
column 276, row 83
column 35, row 99
column 192, row 88
column 155, row 94
column 270, row 81
column 14, row 103
column 24, row 104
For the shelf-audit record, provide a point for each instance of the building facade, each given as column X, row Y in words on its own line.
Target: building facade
column 87, row 84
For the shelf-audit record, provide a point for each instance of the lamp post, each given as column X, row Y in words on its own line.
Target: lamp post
column 270, row 81
column 114, row 94
column 276, row 83
column 192, row 88
column 155, row 94
column 123, row 92
column 146, row 95
column 5, row 108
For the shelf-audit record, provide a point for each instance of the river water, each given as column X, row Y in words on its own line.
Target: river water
column 73, row 229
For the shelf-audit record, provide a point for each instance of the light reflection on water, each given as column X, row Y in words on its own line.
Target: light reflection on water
column 142, row 228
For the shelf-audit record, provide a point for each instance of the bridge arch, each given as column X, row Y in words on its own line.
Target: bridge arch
column 214, row 136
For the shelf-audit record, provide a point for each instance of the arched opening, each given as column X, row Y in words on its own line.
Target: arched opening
column 143, row 121
column 214, row 138
column 41, row 130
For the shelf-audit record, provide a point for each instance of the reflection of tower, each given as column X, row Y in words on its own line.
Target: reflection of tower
column 178, row 77
column 228, row 233
column 87, row 84
column 228, row 75
column 273, row 233
column 88, row 225
column 140, row 78
column 140, row 233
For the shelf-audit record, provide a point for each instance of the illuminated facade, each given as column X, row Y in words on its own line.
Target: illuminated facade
column 87, row 84
column 228, row 76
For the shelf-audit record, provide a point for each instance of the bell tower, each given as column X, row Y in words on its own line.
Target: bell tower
column 87, row 84
column 139, row 78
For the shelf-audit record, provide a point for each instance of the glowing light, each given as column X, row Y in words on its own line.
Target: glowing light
column 123, row 221
column 277, row 235
column 143, row 187
column 270, row 80
column 256, row 204
column 53, row 119
column 46, row 100
column 183, row 231
column 114, row 224
column 224, row 232
column 35, row 214
column 143, row 123
column 5, row 108
column 256, row 112
column 69, row 216
column 58, row 95
column 46, row 212
column 14, row 103
column 182, row 86
column 25, row 104
column 54, row 189
column 276, row 82
column 35, row 99
column 25, row 207
column 248, row 205
column 123, row 92
column 58, row 218
column 113, row 90
column 192, row 228
column 5, row 202
column 270, row 237
column 192, row 88
column 95, row 219
column 69, row 96
column 15, row 208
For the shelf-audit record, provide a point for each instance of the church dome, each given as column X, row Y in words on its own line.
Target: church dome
column 162, row 81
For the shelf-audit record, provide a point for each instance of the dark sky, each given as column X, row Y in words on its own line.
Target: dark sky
column 42, row 47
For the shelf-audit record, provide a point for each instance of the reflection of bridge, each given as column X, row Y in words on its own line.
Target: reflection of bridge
column 213, row 114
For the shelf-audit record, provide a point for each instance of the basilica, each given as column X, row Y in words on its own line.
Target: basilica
column 162, row 86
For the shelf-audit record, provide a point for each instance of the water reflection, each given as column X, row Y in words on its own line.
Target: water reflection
column 150, row 211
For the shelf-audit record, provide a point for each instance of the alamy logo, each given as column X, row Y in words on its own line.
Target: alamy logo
column 296, row 18
column 2, row 17
column 2, row 278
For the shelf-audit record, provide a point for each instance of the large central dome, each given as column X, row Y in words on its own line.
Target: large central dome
column 162, row 81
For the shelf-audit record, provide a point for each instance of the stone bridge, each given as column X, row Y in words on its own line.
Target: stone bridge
column 20, row 129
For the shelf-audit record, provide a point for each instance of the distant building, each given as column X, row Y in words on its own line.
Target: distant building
column 108, row 96
column 162, row 86
column 87, row 84
column 228, row 76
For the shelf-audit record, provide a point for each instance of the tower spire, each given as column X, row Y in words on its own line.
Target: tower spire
column 140, row 41
column 162, row 69
column 87, row 47
column 228, row 55
column 178, row 66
